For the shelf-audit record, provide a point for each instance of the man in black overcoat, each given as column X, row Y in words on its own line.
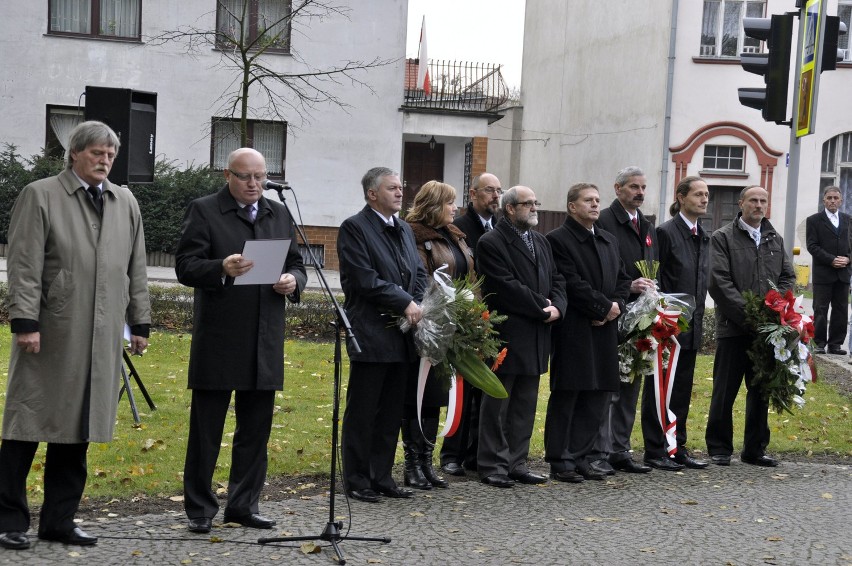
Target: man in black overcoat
column 459, row 451
column 684, row 268
column 584, row 365
column 827, row 237
column 383, row 279
column 520, row 280
column 636, row 241
column 237, row 338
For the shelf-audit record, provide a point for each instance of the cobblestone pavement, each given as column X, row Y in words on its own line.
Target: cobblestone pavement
column 797, row 513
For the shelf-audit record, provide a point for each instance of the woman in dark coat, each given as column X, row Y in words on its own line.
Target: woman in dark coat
column 439, row 243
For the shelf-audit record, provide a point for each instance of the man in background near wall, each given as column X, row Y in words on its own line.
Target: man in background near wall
column 827, row 237
column 458, row 452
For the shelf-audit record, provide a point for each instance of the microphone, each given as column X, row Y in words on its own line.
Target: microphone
column 267, row 184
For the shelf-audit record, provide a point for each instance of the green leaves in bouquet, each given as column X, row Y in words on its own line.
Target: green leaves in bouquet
column 648, row 268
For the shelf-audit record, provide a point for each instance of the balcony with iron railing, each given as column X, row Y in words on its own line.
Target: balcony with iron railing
column 457, row 87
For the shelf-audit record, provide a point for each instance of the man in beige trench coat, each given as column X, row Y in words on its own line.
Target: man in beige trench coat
column 76, row 269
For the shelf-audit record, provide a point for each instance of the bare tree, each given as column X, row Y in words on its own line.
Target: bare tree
column 246, row 42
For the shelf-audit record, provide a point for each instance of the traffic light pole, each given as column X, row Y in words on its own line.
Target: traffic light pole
column 793, row 165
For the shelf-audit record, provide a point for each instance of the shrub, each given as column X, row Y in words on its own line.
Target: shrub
column 708, row 339
column 15, row 174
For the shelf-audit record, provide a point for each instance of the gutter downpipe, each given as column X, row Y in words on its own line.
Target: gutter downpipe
column 664, row 168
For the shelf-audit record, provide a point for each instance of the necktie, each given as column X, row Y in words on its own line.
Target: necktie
column 756, row 237
column 528, row 241
column 252, row 212
column 694, row 231
column 635, row 223
column 97, row 199
column 488, row 226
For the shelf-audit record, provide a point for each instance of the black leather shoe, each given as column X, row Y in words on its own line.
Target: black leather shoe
column 498, row 480
column 367, row 495
column 685, row 458
column 567, row 476
column 629, row 466
column 200, row 525
column 453, row 469
column 721, row 459
column 75, row 536
column 666, row 464
column 590, row 474
column 528, row 478
column 763, row 461
column 837, row 351
column 603, row 467
column 14, row 540
column 252, row 521
column 395, row 492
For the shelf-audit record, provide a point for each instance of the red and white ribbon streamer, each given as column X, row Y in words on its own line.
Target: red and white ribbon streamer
column 664, row 381
column 456, row 389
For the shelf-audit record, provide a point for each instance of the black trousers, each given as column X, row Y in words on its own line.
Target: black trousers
column 248, row 456
column 613, row 440
column 64, row 481
column 652, row 432
column 836, row 295
column 505, row 427
column 462, row 446
column 371, row 422
column 571, row 427
column 730, row 366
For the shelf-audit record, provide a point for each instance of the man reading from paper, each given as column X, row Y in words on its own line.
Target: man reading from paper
column 237, row 338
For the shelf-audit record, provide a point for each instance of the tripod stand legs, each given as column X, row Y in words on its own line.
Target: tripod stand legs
column 330, row 534
column 125, row 386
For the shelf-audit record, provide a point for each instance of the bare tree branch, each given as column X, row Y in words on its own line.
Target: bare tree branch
column 258, row 90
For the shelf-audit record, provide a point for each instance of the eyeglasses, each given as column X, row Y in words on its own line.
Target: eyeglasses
column 529, row 203
column 259, row 177
column 491, row 191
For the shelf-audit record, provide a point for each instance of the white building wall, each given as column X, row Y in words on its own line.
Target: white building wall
column 593, row 94
column 326, row 154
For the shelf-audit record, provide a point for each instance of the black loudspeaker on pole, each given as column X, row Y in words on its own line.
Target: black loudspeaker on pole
column 132, row 114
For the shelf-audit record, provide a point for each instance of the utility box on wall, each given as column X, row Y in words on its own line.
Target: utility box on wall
column 132, row 114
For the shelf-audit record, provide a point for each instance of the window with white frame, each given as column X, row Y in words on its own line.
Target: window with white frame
column 110, row 19
column 722, row 32
column 724, row 158
column 269, row 138
column 844, row 12
column 268, row 20
column 836, row 168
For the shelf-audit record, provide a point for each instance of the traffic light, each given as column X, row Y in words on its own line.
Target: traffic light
column 834, row 28
column 777, row 32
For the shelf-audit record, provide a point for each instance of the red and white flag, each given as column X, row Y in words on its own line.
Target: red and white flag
column 423, row 66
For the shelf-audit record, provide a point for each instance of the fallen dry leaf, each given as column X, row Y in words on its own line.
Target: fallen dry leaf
column 417, row 514
column 310, row 548
column 774, row 539
column 827, row 496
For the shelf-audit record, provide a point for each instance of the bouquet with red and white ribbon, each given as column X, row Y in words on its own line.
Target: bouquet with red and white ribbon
column 782, row 355
column 649, row 345
column 455, row 336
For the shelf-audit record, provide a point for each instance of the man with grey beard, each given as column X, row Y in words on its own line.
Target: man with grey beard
column 520, row 281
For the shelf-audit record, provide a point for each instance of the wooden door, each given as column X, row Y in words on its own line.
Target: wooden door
column 420, row 164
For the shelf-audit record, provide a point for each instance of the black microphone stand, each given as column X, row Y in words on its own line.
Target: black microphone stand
column 331, row 532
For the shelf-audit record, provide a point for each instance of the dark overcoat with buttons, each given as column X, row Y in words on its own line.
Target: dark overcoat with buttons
column 379, row 280
column 237, row 330
column 519, row 285
column 585, row 357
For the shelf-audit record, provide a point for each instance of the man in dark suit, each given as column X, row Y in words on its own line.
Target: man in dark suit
column 383, row 279
column 237, row 338
column 827, row 236
column 684, row 265
column 520, row 281
column 584, row 366
column 480, row 217
column 636, row 241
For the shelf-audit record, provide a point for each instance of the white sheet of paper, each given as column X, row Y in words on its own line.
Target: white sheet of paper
column 269, row 257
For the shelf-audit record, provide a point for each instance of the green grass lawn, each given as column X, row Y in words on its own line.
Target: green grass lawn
column 148, row 459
